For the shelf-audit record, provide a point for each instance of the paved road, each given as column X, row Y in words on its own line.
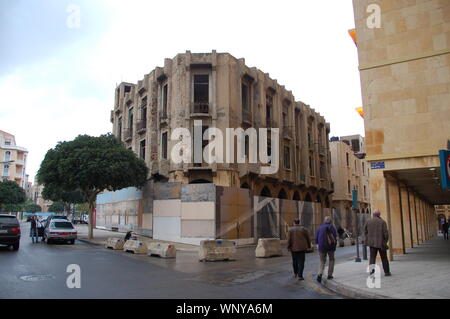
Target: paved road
column 39, row 271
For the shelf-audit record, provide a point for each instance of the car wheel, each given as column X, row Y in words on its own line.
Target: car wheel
column 72, row 241
column 16, row 246
column 48, row 241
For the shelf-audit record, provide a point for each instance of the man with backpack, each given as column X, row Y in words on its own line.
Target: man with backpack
column 326, row 240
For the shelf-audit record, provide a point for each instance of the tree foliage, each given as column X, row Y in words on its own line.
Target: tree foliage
column 32, row 208
column 11, row 193
column 91, row 165
column 57, row 207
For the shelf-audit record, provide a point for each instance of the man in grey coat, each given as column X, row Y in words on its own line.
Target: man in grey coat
column 376, row 237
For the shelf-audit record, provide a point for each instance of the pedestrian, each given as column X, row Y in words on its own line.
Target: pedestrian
column 445, row 229
column 298, row 243
column 376, row 236
column 326, row 240
column 34, row 229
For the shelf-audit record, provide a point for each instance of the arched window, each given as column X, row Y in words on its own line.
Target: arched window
column 282, row 194
column 245, row 185
column 308, row 198
column 265, row 192
column 296, row 196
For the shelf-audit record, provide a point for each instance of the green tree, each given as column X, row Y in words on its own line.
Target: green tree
column 32, row 208
column 57, row 194
column 57, row 207
column 11, row 194
column 92, row 165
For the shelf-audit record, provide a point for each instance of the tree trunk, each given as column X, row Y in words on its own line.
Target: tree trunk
column 91, row 219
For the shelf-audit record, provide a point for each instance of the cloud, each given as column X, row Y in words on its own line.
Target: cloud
column 58, row 82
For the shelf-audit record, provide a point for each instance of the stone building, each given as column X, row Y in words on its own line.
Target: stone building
column 194, row 200
column 36, row 197
column 404, row 65
column 223, row 92
column 13, row 159
column 349, row 171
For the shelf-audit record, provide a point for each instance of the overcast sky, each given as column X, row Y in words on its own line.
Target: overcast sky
column 57, row 79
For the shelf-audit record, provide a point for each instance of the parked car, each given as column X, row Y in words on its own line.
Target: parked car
column 9, row 231
column 59, row 229
column 47, row 221
column 82, row 219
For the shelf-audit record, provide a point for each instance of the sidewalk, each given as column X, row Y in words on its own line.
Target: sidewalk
column 423, row 273
column 101, row 235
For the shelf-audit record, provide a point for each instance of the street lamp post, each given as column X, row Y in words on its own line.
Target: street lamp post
column 358, row 259
column 355, row 209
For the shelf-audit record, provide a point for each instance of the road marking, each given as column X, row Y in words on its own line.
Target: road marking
column 316, row 287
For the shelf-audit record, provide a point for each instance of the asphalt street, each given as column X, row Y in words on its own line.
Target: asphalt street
column 40, row 271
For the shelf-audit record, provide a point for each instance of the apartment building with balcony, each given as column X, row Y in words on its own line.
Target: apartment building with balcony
column 223, row 92
column 13, row 159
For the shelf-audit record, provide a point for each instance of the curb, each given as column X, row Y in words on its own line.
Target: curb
column 351, row 292
column 87, row 241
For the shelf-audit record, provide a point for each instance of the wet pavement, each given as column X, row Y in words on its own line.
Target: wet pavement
column 39, row 271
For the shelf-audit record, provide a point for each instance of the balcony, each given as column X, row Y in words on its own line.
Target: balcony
column 271, row 123
column 287, row 132
column 246, row 117
column 200, row 108
column 127, row 135
column 141, row 126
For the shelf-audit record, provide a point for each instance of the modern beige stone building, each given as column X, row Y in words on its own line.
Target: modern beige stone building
column 405, row 75
column 222, row 92
column 13, row 160
column 349, row 171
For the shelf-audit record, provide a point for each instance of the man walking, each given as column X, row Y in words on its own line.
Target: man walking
column 326, row 240
column 298, row 243
column 376, row 237
column 445, row 229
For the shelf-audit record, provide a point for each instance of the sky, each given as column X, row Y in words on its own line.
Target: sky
column 61, row 60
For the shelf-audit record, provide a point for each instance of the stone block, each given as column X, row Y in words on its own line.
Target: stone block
column 216, row 250
column 268, row 247
column 135, row 246
column 163, row 250
column 115, row 243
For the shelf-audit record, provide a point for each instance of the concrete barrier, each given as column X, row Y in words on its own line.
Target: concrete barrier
column 115, row 243
column 215, row 250
column 162, row 250
column 135, row 246
column 268, row 247
column 349, row 241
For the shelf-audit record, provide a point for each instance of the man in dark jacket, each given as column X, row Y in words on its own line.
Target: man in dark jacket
column 298, row 243
column 445, row 228
column 34, row 229
column 376, row 236
column 326, row 240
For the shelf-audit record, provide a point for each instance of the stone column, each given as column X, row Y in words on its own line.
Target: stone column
column 406, row 214
column 398, row 235
column 412, row 205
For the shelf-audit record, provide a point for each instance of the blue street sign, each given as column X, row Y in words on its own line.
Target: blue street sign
column 376, row 165
column 445, row 168
column 354, row 199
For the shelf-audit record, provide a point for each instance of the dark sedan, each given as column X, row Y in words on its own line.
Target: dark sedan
column 9, row 231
